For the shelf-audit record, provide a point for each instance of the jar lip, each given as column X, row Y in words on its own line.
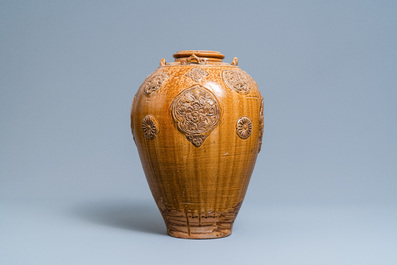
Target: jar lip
column 199, row 53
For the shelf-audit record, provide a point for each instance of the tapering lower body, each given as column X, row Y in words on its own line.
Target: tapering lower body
column 194, row 225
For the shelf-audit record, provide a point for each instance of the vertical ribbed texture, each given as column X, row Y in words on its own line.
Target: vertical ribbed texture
column 199, row 190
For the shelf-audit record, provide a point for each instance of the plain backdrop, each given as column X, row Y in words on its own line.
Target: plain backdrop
column 324, row 190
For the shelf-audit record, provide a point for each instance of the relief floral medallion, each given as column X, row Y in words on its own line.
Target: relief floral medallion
column 196, row 74
column 150, row 127
column 244, row 127
column 261, row 125
column 238, row 81
column 196, row 113
column 154, row 83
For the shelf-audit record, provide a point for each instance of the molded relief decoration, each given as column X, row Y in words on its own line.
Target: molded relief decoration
column 163, row 62
column 150, row 127
column 154, row 82
column 238, row 81
column 261, row 125
column 193, row 59
column 196, row 74
column 132, row 118
column 244, row 127
column 196, row 113
column 235, row 61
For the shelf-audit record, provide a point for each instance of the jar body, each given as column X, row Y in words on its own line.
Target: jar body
column 198, row 127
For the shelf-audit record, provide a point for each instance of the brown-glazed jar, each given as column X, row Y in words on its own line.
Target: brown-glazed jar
column 198, row 124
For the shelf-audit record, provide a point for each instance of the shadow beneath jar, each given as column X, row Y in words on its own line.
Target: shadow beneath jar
column 135, row 216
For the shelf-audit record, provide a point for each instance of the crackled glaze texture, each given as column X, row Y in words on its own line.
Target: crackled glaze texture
column 198, row 124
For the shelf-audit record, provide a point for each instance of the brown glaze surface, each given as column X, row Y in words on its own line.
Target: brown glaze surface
column 198, row 123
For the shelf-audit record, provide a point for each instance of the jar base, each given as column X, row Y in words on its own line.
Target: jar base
column 199, row 226
column 198, row 234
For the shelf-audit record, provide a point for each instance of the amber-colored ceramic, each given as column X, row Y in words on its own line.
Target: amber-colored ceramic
column 198, row 124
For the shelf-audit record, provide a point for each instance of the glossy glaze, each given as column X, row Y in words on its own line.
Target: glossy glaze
column 197, row 123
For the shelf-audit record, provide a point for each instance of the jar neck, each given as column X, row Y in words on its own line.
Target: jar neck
column 198, row 57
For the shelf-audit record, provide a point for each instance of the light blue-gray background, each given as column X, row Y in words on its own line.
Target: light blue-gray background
column 324, row 190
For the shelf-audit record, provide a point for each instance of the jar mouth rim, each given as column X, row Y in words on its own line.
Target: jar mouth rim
column 199, row 53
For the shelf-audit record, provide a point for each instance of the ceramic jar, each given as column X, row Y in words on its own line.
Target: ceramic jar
column 198, row 124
